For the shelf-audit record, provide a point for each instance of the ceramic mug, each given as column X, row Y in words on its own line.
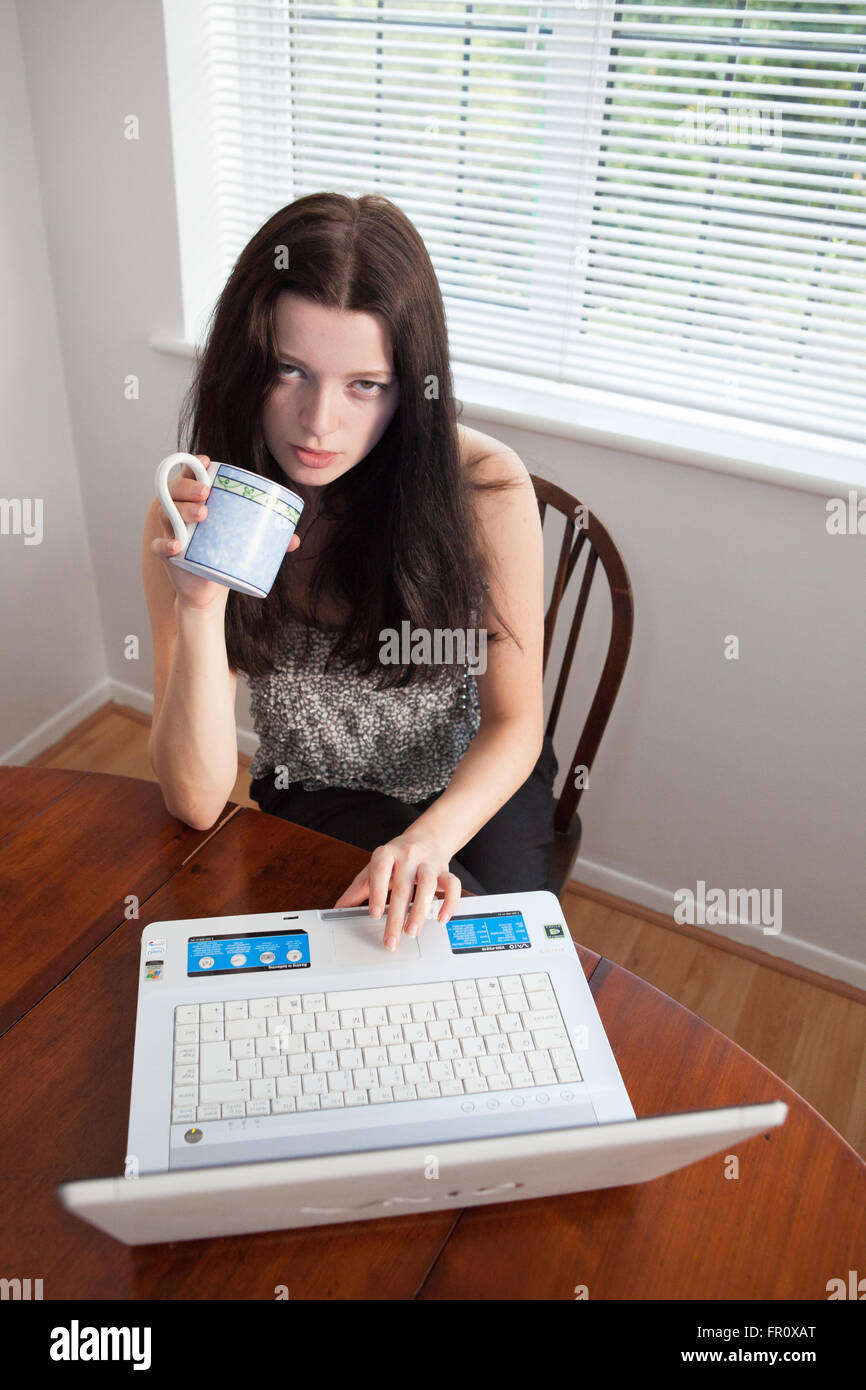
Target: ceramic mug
column 244, row 537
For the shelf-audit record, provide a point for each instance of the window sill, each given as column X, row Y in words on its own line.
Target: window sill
column 678, row 434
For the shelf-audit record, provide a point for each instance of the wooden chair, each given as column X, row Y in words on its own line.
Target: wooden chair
column 599, row 546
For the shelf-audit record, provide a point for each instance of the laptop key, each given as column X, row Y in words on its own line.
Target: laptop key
column 245, row 1028
column 571, row 1073
column 465, row 1066
column 447, row 1009
column 266, row 1089
column 550, row 1037
column 465, row 989
column 224, row 1091
column 380, row 1094
column 535, row 982
column 535, row 1018
column 473, row 1084
column 262, row 1008
column 428, row 1090
column 416, row 1073
column 451, row 1088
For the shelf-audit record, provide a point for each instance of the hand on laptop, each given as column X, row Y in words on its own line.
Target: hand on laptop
column 410, row 862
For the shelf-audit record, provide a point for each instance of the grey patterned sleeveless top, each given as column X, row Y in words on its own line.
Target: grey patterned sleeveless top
column 335, row 729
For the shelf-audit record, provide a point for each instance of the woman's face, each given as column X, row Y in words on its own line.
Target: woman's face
column 336, row 392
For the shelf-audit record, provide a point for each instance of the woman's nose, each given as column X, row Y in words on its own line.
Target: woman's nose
column 319, row 413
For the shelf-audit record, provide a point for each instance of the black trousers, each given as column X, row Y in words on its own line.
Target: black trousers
column 511, row 853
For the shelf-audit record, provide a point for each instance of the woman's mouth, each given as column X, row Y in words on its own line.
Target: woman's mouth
column 312, row 459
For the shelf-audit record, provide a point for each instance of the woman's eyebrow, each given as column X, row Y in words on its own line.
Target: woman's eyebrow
column 371, row 371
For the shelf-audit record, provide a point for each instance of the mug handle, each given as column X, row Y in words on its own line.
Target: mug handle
column 204, row 475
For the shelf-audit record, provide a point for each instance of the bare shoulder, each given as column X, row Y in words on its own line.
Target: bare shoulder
column 508, row 519
column 489, row 460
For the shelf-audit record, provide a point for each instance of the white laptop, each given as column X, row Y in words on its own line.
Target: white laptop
column 290, row 1071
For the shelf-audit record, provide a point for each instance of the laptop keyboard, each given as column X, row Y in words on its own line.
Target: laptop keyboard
column 344, row 1048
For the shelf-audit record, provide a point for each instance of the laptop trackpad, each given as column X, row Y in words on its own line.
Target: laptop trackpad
column 362, row 943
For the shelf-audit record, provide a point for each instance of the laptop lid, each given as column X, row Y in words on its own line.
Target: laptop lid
column 294, row 1193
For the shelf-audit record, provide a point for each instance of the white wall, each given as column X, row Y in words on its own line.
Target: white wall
column 745, row 774
column 51, row 628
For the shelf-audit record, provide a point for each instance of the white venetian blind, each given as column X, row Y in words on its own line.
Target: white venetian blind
column 660, row 200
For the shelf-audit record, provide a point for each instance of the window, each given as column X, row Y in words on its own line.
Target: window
column 667, row 201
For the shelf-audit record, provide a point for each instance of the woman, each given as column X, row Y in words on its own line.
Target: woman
column 327, row 368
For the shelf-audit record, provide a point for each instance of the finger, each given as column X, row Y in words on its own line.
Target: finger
column 192, row 510
column 195, row 509
column 186, row 485
column 381, row 864
column 294, row 543
column 189, row 513
column 165, row 545
column 452, row 897
column 188, row 489
column 400, row 891
column 187, row 469
column 426, row 879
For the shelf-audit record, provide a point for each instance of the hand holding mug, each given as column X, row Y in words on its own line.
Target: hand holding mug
column 190, row 497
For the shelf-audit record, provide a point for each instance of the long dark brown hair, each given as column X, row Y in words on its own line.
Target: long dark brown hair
column 406, row 544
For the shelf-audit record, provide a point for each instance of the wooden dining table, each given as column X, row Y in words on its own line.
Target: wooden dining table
column 87, row 860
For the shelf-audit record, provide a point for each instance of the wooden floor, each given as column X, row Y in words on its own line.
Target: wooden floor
column 810, row 1035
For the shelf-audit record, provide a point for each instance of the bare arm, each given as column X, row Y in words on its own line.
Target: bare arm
column 193, row 740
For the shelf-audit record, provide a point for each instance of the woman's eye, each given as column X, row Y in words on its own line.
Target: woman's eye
column 377, row 386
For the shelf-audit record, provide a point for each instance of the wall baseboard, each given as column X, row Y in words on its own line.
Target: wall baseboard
column 841, row 974
column 54, row 730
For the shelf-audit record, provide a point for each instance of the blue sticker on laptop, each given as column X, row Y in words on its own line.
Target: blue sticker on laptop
column 493, row 931
column 234, row 955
